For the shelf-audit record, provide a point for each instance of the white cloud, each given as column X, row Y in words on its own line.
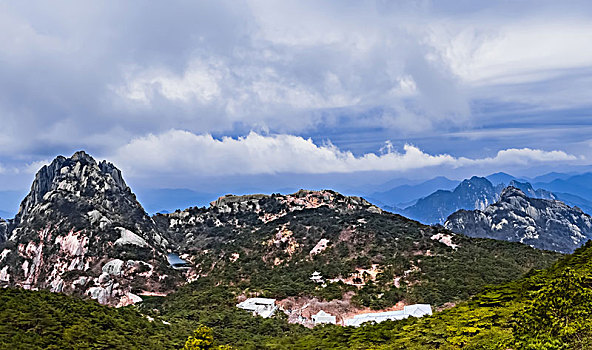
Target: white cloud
column 178, row 151
column 33, row 167
column 513, row 51
column 200, row 82
column 95, row 75
column 298, row 59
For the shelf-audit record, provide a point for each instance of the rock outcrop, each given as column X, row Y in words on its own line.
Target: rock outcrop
column 3, row 231
column 541, row 223
column 81, row 230
column 236, row 212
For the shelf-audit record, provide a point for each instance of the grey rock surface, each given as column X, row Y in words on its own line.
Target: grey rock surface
column 542, row 223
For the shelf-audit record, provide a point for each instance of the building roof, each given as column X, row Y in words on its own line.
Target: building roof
column 417, row 310
column 258, row 301
column 323, row 317
column 322, row 313
column 264, row 307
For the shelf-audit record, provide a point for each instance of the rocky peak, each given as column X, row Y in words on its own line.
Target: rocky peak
column 512, row 191
column 303, row 199
column 110, row 169
column 530, row 191
column 477, row 181
column 477, row 189
column 79, row 175
column 474, row 193
column 80, row 230
column 542, row 223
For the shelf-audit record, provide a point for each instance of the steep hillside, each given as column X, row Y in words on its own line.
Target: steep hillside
column 272, row 245
column 81, row 231
column 542, row 223
column 550, row 309
column 44, row 320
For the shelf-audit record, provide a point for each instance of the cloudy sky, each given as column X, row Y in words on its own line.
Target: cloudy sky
column 188, row 93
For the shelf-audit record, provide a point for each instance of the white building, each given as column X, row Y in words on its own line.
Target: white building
column 316, row 277
column 416, row 310
column 263, row 307
column 323, row 317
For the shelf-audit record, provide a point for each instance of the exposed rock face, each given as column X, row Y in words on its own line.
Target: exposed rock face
column 474, row 193
column 3, row 230
column 541, row 223
column 80, row 230
column 252, row 210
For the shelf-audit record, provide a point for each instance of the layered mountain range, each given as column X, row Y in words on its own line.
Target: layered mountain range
column 477, row 193
column 81, row 231
column 542, row 223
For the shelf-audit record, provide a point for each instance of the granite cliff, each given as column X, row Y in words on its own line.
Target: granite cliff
column 542, row 223
column 80, row 230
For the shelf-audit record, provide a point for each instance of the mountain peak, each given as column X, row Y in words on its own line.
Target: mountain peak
column 79, row 175
column 542, row 223
column 476, row 180
column 511, row 191
column 82, row 156
column 84, row 232
column 524, row 186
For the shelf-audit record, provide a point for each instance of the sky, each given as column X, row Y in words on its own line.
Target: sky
column 221, row 96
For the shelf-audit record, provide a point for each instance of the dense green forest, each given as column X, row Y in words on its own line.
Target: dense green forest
column 45, row 320
column 548, row 309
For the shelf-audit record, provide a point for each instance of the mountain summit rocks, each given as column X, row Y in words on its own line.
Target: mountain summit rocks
column 542, row 223
column 80, row 230
column 234, row 213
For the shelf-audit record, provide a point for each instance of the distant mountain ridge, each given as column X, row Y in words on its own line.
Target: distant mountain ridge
column 530, row 191
column 476, row 192
column 580, row 185
column 502, row 178
column 407, row 193
column 542, row 223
